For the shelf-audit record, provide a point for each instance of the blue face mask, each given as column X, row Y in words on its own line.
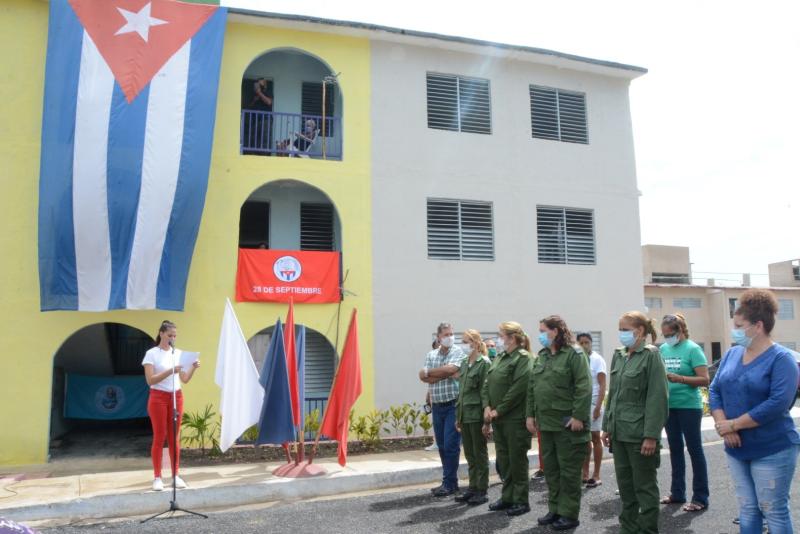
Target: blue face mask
column 544, row 340
column 672, row 340
column 740, row 337
column 627, row 338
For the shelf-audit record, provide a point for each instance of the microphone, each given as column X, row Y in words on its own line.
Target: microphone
column 172, row 344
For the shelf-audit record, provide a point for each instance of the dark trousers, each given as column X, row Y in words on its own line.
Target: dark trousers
column 637, row 478
column 563, row 454
column 684, row 423
column 477, row 454
column 512, row 441
column 449, row 441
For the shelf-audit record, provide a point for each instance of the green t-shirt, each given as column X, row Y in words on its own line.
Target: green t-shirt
column 681, row 360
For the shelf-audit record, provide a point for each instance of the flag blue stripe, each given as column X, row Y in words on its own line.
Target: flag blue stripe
column 125, row 155
column 198, row 133
column 275, row 425
column 58, row 282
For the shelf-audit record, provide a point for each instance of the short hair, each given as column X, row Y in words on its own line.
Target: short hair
column 584, row 334
column 758, row 305
column 442, row 327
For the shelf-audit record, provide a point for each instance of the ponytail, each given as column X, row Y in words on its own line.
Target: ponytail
column 640, row 320
column 165, row 326
column 475, row 336
column 510, row 328
column 676, row 321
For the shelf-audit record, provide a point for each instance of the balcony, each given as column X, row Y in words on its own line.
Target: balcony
column 273, row 133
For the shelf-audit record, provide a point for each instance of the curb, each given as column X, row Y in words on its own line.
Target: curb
column 138, row 504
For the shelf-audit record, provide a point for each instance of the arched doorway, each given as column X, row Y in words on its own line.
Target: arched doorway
column 320, row 365
column 289, row 215
column 291, row 106
column 99, row 395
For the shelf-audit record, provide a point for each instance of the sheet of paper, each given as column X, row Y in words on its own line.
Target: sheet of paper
column 187, row 359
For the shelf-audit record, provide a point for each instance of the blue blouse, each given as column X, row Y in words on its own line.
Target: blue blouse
column 765, row 388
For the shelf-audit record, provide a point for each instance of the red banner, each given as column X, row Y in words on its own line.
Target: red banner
column 277, row 275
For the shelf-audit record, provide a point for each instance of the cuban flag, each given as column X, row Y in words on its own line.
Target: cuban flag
column 130, row 93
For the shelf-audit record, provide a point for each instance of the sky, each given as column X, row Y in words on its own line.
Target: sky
column 716, row 120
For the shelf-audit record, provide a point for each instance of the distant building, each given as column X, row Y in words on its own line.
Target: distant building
column 709, row 308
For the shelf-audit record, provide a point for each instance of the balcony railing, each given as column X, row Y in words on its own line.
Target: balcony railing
column 275, row 133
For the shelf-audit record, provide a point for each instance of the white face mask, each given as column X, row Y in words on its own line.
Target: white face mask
column 447, row 341
column 499, row 345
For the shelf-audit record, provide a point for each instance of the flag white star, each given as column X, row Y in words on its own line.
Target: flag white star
column 139, row 22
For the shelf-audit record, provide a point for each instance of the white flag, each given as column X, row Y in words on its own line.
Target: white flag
column 242, row 394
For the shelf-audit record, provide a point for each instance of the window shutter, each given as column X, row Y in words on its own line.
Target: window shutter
column 565, row 236
column 456, row 103
column 687, row 302
column 544, row 113
column 311, row 104
column 316, row 227
column 460, row 230
column 558, row 115
column 442, row 102
column 477, row 235
column 474, row 105
column 786, row 309
column 443, row 230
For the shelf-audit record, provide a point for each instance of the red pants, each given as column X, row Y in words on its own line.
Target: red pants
column 159, row 408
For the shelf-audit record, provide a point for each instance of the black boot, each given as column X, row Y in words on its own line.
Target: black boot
column 479, row 497
column 498, row 505
column 518, row 509
column 548, row 519
column 564, row 523
column 464, row 496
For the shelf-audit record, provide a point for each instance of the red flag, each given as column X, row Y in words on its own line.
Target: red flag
column 290, row 343
column 346, row 389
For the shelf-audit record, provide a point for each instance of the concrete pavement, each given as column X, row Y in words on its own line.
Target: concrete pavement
column 61, row 499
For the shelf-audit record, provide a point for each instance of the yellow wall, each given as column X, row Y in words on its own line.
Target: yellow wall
column 30, row 338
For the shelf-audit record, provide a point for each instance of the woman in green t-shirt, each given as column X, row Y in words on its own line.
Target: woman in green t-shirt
column 687, row 372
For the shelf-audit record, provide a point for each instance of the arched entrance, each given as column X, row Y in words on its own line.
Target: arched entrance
column 320, row 365
column 291, row 106
column 99, row 395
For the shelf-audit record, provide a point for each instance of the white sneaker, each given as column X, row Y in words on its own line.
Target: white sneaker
column 179, row 483
column 158, row 484
column 432, row 447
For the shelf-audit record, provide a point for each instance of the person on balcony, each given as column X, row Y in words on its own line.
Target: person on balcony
column 302, row 140
column 258, row 134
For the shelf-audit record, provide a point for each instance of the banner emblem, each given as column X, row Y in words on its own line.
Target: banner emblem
column 287, row 269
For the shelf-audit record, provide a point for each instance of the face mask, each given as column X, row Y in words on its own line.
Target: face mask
column 671, row 340
column 740, row 337
column 500, row 346
column 448, row 341
column 492, row 353
column 544, row 340
column 627, row 338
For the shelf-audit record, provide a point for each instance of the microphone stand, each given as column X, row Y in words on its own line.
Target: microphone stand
column 173, row 504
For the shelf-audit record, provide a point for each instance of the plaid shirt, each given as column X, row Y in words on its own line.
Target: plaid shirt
column 444, row 390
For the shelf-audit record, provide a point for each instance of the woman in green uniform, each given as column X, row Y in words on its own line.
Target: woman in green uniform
column 505, row 390
column 469, row 417
column 559, row 402
column 636, row 413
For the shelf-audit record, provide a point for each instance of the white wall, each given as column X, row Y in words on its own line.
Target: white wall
column 513, row 171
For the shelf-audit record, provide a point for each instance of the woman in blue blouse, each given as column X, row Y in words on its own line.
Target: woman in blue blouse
column 751, row 396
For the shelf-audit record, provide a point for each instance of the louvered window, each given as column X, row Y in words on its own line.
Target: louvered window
column 316, row 227
column 460, row 230
column 566, row 235
column 786, row 309
column 652, row 302
column 558, row 115
column 459, row 104
column 312, row 104
column 687, row 302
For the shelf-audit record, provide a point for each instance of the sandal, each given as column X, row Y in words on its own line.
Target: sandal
column 669, row 500
column 592, row 483
column 694, row 507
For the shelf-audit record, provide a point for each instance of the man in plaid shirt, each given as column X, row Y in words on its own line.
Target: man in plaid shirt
column 440, row 373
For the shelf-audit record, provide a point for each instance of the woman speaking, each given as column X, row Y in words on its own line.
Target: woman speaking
column 162, row 371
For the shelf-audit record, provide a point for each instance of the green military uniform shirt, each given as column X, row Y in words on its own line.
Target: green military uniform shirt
column 560, row 387
column 506, row 384
column 471, row 397
column 637, row 397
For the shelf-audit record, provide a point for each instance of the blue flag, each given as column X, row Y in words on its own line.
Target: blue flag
column 275, row 425
column 301, row 365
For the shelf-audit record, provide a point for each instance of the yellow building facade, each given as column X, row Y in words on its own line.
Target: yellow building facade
column 31, row 338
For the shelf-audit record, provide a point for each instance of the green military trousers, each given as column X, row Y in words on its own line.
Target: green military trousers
column 512, row 441
column 638, row 487
column 563, row 453
column 477, row 455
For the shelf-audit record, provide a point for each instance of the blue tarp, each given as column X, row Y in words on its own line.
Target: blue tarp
column 105, row 397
